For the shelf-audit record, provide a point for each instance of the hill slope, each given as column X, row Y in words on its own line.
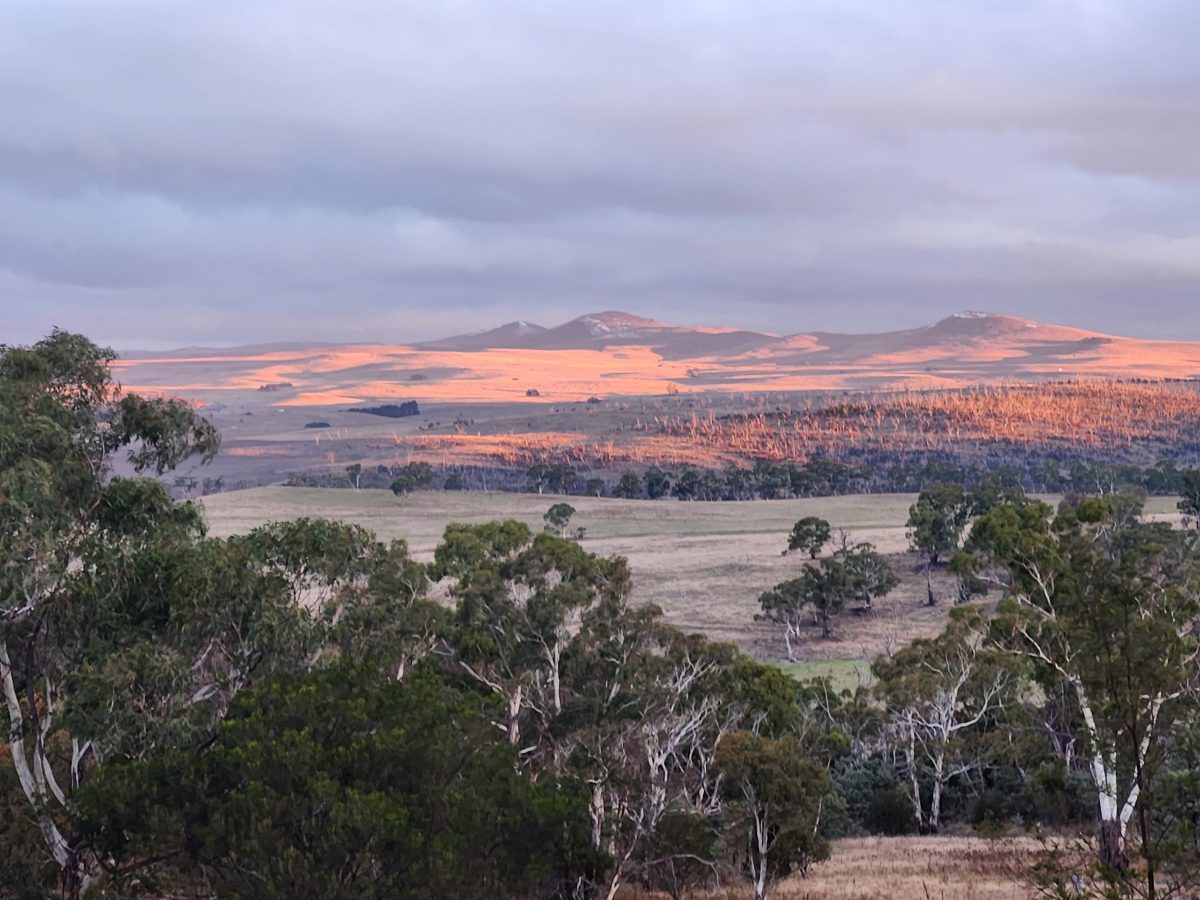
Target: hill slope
column 614, row 354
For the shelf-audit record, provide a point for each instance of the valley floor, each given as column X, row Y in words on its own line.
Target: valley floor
column 703, row 563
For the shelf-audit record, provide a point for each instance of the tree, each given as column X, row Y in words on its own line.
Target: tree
column 786, row 605
column 868, row 574
column 401, row 485
column 520, row 604
column 629, row 486
column 1106, row 611
column 65, row 522
column 658, row 483
column 561, row 478
column 650, row 707
column 939, row 693
column 935, row 523
column 419, row 473
column 775, row 797
column 819, row 593
column 125, row 632
column 354, row 473
column 537, row 477
column 558, row 518
column 342, row 784
column 595, row 487
column 1189, row 505
column 810, row 534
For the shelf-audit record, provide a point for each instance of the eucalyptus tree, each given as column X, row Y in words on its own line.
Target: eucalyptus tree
column 124, row 630
column 63, row 520
column 520, row 600
column 817, row 595
column 868, row 573
column 649, row 707
column 558, row 518
column 935, row 525
column 1108, row 609
column 775, row 796
column 943, row 696
column 809, row 534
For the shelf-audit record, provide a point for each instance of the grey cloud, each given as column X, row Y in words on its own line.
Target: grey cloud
column 183, row 173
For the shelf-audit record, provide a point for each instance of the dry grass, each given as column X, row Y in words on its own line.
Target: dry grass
column 705, row 564
column 909, row 868
column 928, row 868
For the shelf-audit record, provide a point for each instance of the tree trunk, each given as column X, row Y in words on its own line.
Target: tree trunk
column 910, row 758
column 512, row 718
column 935, row 800
column 930, row 600
column 1113, row 854
column 760, row 872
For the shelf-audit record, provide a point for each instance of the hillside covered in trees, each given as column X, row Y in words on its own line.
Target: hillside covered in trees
column 290, row 712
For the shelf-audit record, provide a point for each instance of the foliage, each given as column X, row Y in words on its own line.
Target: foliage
column 936, row 521
column 810, row 534
column 558, row 517
column 342, row 784
column 629, row 486
column 944, row 698
column 1105, row 608
column 775, row 797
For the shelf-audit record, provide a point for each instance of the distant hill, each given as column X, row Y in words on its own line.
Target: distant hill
column 614, row 354
column 606, row 329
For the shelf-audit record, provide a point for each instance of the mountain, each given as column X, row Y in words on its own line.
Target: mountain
column 962, row 338
column 608, row 329
column 512, row 334
column 618, row 354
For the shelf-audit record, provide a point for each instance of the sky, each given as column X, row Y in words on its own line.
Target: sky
column 276, row 170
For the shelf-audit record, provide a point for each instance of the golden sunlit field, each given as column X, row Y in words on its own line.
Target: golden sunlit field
column 603, row 398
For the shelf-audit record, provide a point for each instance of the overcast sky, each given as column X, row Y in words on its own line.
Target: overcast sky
column 220, row 172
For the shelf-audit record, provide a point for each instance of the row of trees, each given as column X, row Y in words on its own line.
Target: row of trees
column 1078, row 697
column 765, row 479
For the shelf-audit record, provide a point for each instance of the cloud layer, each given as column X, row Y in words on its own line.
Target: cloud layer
column 177, row 173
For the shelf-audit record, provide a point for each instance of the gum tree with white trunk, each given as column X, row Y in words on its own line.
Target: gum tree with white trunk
column 1106, row 606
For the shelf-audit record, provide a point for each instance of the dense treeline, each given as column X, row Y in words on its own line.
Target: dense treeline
column 766, row 480
column 290, row 713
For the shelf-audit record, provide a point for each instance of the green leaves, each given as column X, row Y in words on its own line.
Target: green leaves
column 810, row 534
column 162, row 433
column 344, row 785
column 936, row 521
column 775, row 796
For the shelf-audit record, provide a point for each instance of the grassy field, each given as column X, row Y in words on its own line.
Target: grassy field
column 843, row 674
column 918, row 868
column 705, row 564
column 907, row 868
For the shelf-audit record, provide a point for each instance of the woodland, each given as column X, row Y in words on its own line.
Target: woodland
column 306, row 711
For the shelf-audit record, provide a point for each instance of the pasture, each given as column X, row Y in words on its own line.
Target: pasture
column 703, row 563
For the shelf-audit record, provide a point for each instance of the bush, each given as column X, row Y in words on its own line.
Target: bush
column 877, row 802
